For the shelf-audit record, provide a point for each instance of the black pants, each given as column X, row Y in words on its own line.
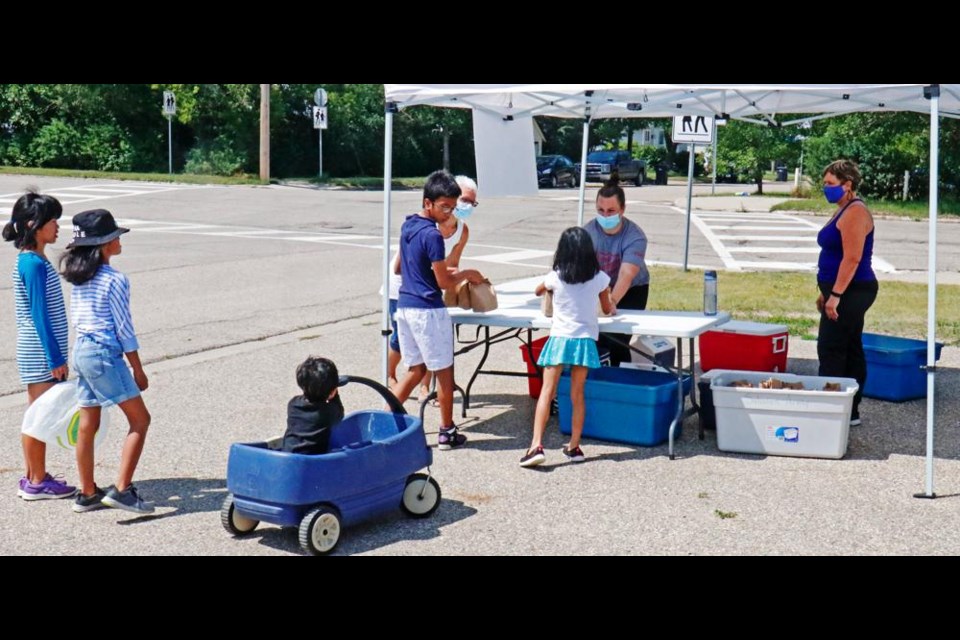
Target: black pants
column 840, row 342
column 635, row 298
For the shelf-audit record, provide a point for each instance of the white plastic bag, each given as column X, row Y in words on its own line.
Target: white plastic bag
column 55, row 417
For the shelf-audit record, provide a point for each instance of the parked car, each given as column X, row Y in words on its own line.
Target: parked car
column 731, row 174
column 601, row 164
column 554, row 171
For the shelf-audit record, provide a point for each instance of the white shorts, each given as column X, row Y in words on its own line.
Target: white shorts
column 426, row 337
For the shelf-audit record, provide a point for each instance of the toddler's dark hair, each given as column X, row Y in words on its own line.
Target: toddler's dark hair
column 318, row 377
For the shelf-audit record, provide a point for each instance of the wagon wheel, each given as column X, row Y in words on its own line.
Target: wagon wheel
column 421, row 496
column 320, row 531
column 233, row 522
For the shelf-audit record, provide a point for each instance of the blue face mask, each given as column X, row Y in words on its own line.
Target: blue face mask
column 833, row 193
column 463, row 211
column 608, row 222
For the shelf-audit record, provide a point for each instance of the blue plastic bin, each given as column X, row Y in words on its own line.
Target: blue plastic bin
column 893, row 367
column 624, row 405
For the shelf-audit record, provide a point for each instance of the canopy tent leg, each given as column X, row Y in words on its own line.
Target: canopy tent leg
column 933, row 94
column 390, row 109
column 583, row 166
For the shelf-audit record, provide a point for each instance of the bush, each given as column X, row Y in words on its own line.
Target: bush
column 217, row 158
column 103, row 147
column 56, row 144
column 651, row 154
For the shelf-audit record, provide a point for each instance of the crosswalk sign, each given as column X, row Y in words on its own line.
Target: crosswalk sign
column 169, row 103
column 319, row 117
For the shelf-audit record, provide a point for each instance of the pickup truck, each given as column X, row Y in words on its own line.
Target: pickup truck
column 600, row 164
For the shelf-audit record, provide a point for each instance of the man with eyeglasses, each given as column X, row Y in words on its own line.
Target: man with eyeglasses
column 423, row 323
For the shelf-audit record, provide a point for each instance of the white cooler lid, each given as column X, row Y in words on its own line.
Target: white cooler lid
column 751, row 328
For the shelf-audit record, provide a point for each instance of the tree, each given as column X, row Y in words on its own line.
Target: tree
column 753, row 147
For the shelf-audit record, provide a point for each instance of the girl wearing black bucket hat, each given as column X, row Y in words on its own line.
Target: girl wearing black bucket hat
column 100, row 313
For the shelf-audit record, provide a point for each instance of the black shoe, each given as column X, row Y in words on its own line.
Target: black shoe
column 89, row 503
column 533, row 458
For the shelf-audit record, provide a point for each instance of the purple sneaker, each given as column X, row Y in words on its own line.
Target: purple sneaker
column 23, row 484
column 450, row 438
column 50, row 489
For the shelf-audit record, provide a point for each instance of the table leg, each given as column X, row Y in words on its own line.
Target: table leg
column 678, row 419
column 483, row 359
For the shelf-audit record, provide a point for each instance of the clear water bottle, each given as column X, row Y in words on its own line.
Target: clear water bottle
column 710, row 293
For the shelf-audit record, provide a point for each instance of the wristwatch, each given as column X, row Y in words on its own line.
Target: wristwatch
column 834, row 293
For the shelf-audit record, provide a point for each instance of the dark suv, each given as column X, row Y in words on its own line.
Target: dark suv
column 554, row 171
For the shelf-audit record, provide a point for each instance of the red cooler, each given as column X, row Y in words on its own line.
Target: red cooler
column 745, row 346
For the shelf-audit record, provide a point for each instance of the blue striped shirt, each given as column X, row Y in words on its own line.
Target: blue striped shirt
column 100, row 307
column 41, row 317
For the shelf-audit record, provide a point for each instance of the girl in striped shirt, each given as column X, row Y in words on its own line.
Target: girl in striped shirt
column 41, row 327
column 100, row 313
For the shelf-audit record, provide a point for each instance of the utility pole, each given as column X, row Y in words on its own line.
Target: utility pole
column 265, row 132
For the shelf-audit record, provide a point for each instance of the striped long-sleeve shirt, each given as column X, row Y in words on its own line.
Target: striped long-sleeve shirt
column 41, row 315
column 101, row 307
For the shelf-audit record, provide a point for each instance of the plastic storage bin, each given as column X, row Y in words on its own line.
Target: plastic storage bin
column 745, row 346
column 624, row 405
column 708, row 415
column 893, row 367
column 811, row 423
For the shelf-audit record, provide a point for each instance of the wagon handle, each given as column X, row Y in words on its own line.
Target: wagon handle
column 391, row 400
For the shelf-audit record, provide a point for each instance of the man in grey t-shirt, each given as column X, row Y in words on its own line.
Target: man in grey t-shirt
column 621, row 247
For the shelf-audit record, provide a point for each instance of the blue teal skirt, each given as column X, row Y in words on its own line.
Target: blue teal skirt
column 581, row 352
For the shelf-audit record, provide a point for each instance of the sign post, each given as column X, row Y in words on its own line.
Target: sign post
column 169, row 109
column 691, row 129
column 320, row 123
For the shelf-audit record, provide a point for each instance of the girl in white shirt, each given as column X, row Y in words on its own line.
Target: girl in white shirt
column 577, row 283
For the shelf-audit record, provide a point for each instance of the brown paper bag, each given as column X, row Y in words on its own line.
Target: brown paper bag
column 464, row 295
column 450, row 297
column 457, row 296
column 546, row 303
column 483, row 297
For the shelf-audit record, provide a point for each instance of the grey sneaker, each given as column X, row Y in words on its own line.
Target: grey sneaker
column 89, row 503
column 128, row 500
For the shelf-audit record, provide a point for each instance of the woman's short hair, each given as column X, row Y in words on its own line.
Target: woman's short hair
column 845, row 170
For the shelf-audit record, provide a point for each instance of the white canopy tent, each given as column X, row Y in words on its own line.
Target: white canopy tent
column 753, row 102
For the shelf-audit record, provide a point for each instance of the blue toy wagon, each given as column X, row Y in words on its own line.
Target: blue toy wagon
column 368, row 471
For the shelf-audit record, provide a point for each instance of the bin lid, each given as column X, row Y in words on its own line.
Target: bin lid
column 751, row 328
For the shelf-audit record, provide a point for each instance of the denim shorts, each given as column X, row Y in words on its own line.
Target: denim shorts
column 395, row 336
column 103, row 378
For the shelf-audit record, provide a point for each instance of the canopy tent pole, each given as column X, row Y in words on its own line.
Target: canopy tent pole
column 391, row 108
column 583, row 160
column 933, row 94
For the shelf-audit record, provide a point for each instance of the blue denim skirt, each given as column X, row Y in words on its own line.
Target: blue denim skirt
column 103, row 378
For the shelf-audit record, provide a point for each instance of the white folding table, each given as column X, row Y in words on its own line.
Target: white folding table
column 519, row 310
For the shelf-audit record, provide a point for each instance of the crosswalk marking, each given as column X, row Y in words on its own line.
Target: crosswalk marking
column 77, row 194
column 734, row 236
